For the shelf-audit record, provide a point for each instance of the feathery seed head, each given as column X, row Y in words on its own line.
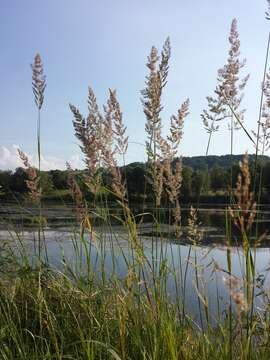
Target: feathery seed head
column 245, row 211
column 119, row 128
column 267, row 13
column 264, row 139
column 33, row 179
column 237, row 294
column 38, row 81
column 230, row 85
column 76, row 194
column 194, row 233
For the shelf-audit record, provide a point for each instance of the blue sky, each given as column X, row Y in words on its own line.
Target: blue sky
column 104, row 44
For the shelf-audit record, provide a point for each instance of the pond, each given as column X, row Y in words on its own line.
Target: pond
column 111, row 252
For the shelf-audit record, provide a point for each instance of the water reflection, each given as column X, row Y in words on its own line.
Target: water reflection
column 110, row 252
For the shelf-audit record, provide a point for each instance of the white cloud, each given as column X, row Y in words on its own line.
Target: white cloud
column 9, row 160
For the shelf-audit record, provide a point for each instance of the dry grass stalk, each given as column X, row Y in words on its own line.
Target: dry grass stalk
column 213, row 114
column 33, row 179
column 155, row 82
column 114, row 130
column 98, row 134
column 151, row 99
column 172, row 179
column 230, row 86
column 237, row 294
column 177, row 218
column 38, row 81
column 157, row 184
column 89, row 132
column 119, row 129
column 245, row 211
column 161, row 152
column 267, row 13
column 264, row 139
column 176, row 128
column 194, row 233
column 77, row 195
column 152, row 107
column 169, row 149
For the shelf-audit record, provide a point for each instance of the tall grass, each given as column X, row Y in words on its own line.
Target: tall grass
column 115, row 299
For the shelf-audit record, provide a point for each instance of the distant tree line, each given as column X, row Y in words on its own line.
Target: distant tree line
column 206, row 177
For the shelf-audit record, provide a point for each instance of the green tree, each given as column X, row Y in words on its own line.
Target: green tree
column 59, row 179
column 266, row 177
column 5, row 180
column 186, row 188
column 218, row 178
column 135, row 177
column 198, row 180
column 46, row 183
column 18, row 180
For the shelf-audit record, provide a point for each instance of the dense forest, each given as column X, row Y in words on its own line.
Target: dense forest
column 207, row 178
